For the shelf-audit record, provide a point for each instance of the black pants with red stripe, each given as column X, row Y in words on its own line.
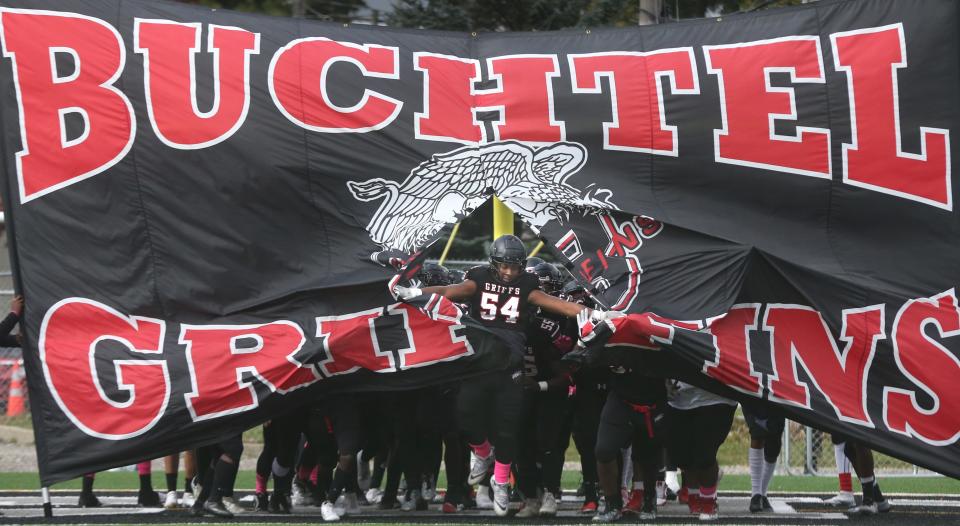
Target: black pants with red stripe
column 623, row 424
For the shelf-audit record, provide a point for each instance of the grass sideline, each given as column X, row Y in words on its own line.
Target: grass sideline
column 127, row 480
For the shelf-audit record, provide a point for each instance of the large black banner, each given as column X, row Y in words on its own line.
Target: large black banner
column 199, row 200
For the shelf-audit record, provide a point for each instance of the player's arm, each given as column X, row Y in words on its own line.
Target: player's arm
column 456, row 292
column 568, row 308
column 555, row 305
column 462, row 291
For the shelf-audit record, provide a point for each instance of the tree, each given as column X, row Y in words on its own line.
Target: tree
column 542, row 15
column 487, row 15
column 337, row 10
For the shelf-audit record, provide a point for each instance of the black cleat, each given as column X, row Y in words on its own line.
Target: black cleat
column 280, row 503
column 608, row 515
column 216, row 508
column 649, row 510
column 89, row 500
column 388, row 502
column 756, row 503
column 671, row 495
column 766, row 503
column 149, row 499
column 263, row 502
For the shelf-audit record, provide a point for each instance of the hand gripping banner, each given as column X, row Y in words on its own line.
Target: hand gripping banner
column 203, row 203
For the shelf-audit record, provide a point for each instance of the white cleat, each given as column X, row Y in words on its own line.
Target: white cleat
column 188, row 499
column 232, row 506
column 673, row 482
column 844, row 499
column 328, row 513
column 531, row 508
column 197, row 488
column 501, row 497
column 170, row 502
column 864, row 509
column 351, row 504
column 661, row 493
column 374, row 495
column 484, row 502
column 548, row 506
column 479, row 467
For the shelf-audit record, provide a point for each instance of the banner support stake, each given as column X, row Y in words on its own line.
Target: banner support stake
column 446, row 249
column 47, row 506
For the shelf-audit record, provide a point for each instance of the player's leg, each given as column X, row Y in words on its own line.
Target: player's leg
column 224, row 476
column 713, row 426
column 773, row 444
column 507, row 409
column 613, row 434
column 171, row 467
column 146, row 496
column 844, row 497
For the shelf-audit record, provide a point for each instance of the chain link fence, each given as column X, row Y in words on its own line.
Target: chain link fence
column 806, row 451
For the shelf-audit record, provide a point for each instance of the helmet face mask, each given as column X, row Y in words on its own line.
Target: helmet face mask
column 508, row 257
column 433, row 274
column 551, row 280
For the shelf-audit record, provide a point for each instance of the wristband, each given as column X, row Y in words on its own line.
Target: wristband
column 543, row 385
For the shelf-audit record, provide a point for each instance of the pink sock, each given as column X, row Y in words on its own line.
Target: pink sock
column 708, row 492
column 261, row 484
column 315, row 474
column 501, row 472
column 303, row 473
column 482, row 450
column 143, row 468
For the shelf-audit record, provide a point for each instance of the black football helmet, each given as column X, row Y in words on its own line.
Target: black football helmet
column 551, row 281
column 433, row 274
column 456, row 275
column 508, row 249
column 532, row 263
column 575, row 292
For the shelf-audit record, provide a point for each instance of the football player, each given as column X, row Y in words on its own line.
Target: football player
column 633, row 414
column 766, row 439
column 546, row 382
column 698, row 423
column 498, row 295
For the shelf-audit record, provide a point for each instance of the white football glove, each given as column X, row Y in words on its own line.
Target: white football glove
column 598, row 316
column 406, row 293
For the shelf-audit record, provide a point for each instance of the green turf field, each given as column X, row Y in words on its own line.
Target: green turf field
column 733, row 452
column 571, row 479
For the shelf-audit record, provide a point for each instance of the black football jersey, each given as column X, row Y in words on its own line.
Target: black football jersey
column 500, row 304
column 629, row 380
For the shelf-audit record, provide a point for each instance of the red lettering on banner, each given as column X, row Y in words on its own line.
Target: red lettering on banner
column 350, row 343
column 750, row 106
column 624, row 238
column 45, row 96
column 447, row 99
column 928, row 365
column 219, row 357
column 69, row 335
column 799, row 336
column 299, row 75
column 636, row 92
column 524, row 98
column 643, row 331
column 587, row 269
column 875, row 158
column 169, row 50
column 732, row 363
column 433, row 339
